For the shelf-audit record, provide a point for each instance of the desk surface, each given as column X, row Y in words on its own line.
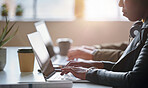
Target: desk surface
column 12, row 74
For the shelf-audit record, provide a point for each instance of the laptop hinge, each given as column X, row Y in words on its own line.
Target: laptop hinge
column 50, row 75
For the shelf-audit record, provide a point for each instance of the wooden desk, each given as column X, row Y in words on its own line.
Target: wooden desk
column 12, row 74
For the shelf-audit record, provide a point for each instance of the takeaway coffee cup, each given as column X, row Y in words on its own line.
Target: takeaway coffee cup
column 26, row 60
column 64, row 45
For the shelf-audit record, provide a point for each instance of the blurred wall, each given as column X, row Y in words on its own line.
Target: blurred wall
column 82, row 32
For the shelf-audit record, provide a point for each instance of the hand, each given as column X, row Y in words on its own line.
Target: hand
column 86, row 64
column 79, row 64
column 80, row 52
column 78, row 72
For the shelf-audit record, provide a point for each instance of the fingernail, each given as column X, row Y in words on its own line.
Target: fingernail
column 61, row 74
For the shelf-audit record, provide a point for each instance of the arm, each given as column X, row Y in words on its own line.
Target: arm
column 118, row 46
column 94, row 54
column 137, row 78
column 107, row 55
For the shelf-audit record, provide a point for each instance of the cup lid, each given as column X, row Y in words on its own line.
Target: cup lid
column 25, row 51
column 64, row 40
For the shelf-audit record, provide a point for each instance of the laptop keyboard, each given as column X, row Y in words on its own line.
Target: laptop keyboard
column 68, row 76
column 58, row 77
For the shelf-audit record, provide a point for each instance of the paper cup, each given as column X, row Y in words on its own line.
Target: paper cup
column 26, row 60
column 64, row 45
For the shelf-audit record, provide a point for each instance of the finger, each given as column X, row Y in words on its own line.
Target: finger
column 66, row 68
column 73, row 63
column 76, row 73
column 77, row 66
column 73, row 70
column 65, row 71
column 62, row 73
column 69, row 63
column 70, row 58
column 73, row 58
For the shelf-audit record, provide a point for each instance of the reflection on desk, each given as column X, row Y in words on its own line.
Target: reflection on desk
column 12, row 74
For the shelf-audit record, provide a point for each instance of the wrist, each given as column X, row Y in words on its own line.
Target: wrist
column 97, row 64
column 87, row 72
column 89, row 69
column 102, row 65
column 95, row 54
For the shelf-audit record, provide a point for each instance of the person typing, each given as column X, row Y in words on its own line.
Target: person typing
column 131, row 69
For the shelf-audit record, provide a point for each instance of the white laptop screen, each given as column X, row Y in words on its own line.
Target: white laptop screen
column 43, row 30
column 41, row 53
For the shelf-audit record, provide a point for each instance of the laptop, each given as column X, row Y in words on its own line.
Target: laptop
column 44, row 60
column 55, row 58
column 42, row 28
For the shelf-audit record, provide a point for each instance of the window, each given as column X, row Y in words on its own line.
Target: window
column 42, row 9
column 28, row 8
column 96, row 10
column 55, row 9
column 103, row 10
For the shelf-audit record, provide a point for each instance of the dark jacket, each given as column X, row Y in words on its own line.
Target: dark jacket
column 131, row 70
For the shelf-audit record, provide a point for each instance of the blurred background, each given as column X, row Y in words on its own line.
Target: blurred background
column 87, row 22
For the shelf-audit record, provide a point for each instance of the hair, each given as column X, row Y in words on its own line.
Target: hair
column 144, row 2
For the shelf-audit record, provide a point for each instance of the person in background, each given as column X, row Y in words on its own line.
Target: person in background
column 105, row 52
column 131, row 70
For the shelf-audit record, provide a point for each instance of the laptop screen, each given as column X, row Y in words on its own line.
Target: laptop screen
column 41, row 27
column 41, row 53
